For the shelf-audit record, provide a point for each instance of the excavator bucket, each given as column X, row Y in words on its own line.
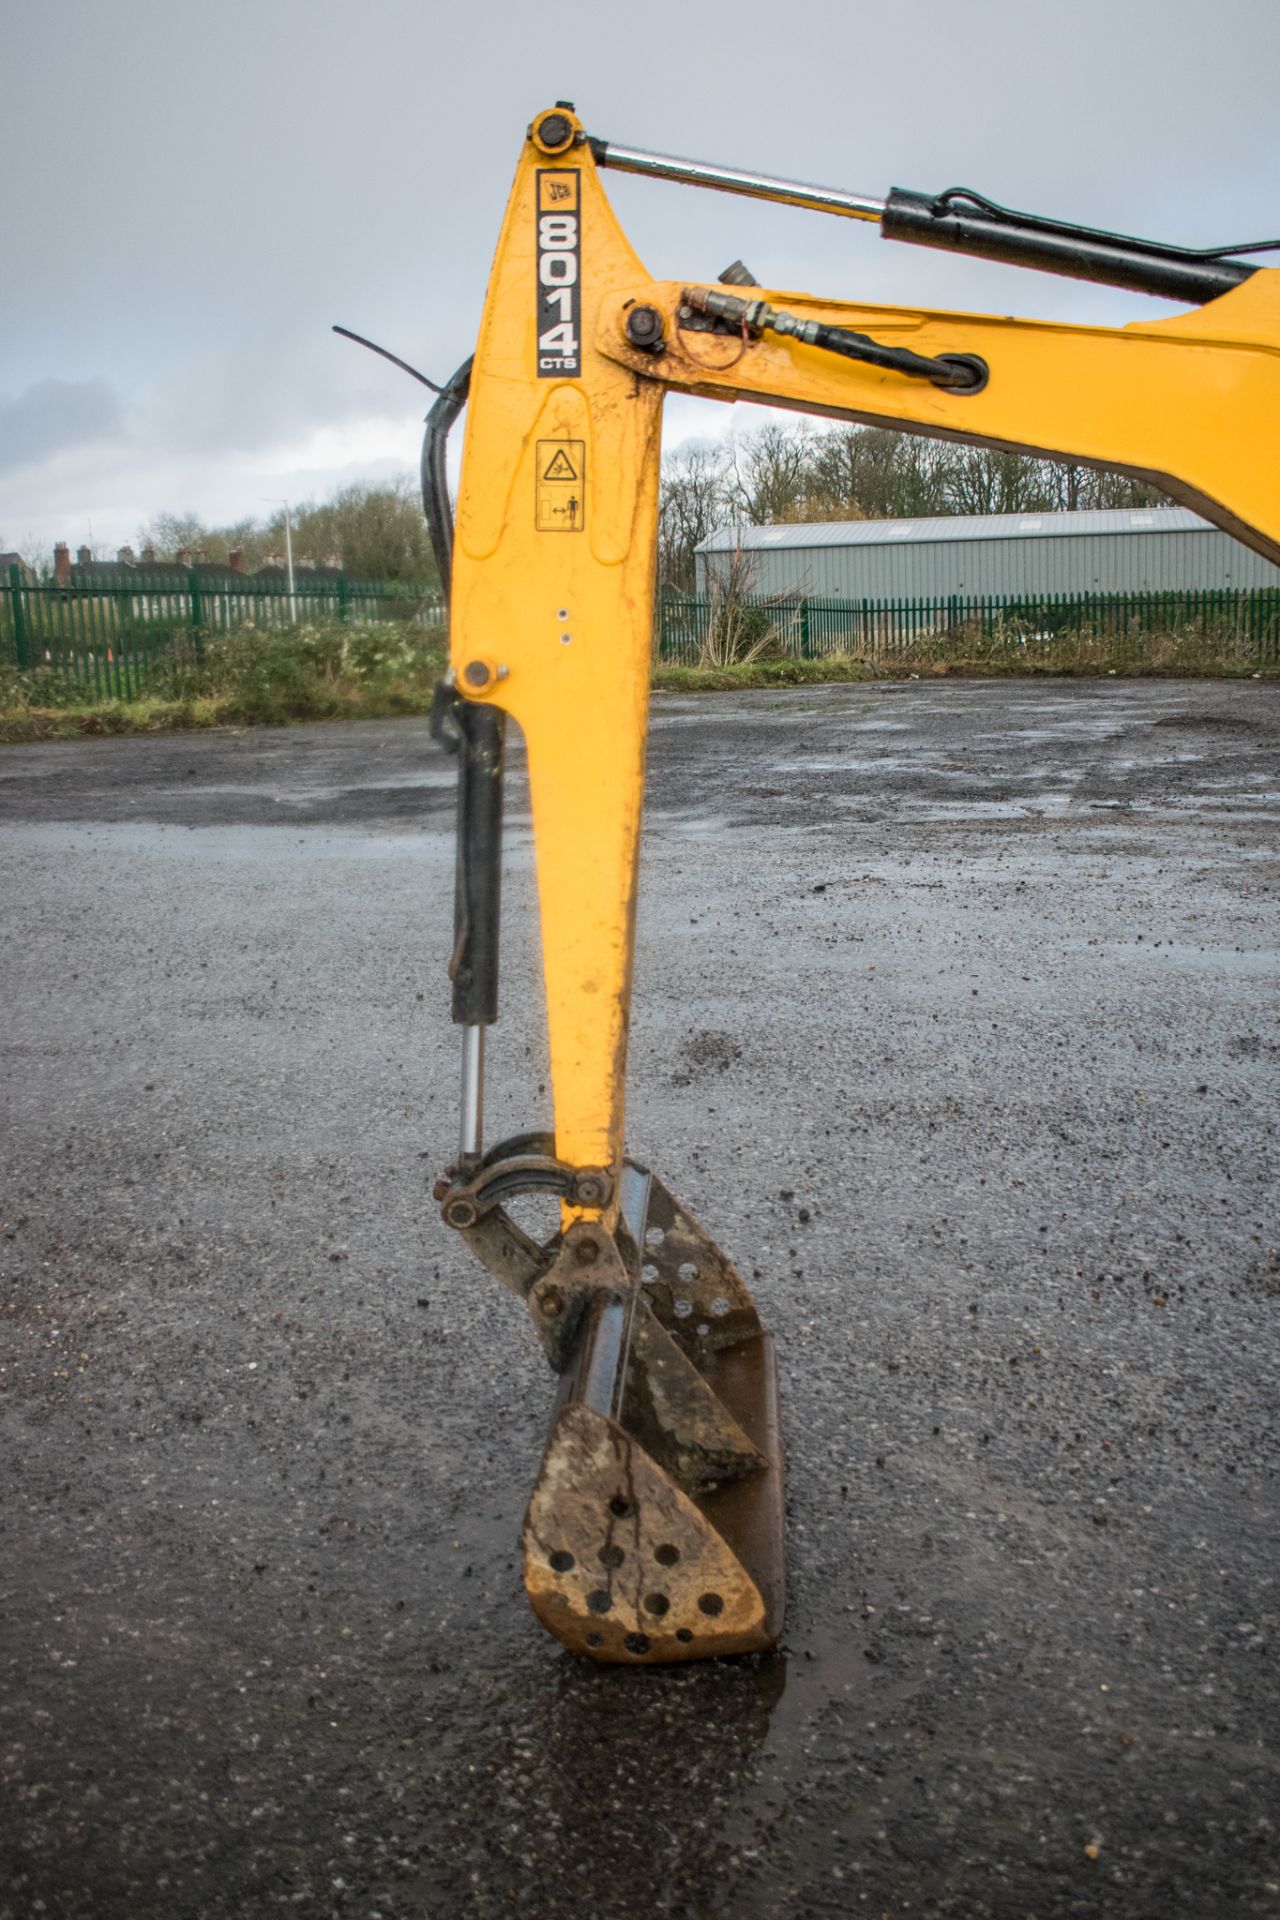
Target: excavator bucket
column 655, row 1528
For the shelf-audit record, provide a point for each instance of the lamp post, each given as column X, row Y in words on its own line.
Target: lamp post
column 279, row 501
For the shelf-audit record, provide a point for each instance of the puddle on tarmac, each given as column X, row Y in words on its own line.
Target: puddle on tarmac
column 414, row 840
column 696, row 824
column 1035, row 807
column 433, row 779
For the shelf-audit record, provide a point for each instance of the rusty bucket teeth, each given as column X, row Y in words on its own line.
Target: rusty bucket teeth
column 654, row 1532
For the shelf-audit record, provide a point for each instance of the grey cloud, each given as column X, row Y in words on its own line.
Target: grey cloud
column 224, row 186
column 248, row 397
column 52, row 415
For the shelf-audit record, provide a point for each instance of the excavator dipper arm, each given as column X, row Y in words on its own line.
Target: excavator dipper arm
column 655, row 1528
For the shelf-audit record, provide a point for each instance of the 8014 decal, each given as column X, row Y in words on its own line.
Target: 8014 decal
column 559, row 274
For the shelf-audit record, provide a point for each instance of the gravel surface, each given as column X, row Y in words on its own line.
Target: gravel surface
column 956, row 1021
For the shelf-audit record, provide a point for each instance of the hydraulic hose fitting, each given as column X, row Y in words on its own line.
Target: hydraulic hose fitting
column 754, row 315
column 957, row 372
column 969, row 372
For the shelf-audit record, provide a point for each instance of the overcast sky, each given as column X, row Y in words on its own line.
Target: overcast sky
column 193, row 193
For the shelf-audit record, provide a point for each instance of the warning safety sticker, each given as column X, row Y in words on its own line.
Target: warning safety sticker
column 561, row 486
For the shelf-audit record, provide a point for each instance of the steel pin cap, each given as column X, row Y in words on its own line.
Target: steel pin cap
column 554, row 131
column 645, row 329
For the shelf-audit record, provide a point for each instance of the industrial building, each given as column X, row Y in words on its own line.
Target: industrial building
column 1123, row 551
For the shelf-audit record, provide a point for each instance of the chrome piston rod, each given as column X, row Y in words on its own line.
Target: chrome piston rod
column 700, row 173
column 472, row 1131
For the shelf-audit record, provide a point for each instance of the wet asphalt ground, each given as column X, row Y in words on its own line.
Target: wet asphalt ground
column 956, row 1021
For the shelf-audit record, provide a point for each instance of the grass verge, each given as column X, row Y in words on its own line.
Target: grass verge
column 247, row 678
column 176, row 716
column 378, row 670
column 764, row 673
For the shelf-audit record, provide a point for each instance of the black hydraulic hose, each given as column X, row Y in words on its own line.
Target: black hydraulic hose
column 962, row 221
column 1041, row 223
column 476, row 732
column 435, row 479
column 960, row 372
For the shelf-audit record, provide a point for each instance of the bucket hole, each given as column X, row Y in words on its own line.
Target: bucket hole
column 720, row 1308
column 611, row 1556
column 654, row 1236
column 599, row 1601
column 682, row 1309
column 562, row 1561
column 648, row 1273
column 656, row 1604
column 636, row 1643
column 710, row 1603
column 683, row 1635
column 666, row 1556
column 597, row 1639
column 702, row 1329
column 619, row 1506
column 687, row 1270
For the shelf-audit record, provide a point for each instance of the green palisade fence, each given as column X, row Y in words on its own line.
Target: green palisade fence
column 1244, row 623
column 109, row 638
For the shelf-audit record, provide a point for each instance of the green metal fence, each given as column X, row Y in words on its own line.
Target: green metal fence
column 110, row 636
column 690, row 630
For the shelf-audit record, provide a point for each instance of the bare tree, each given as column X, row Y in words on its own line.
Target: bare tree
column 991, row 480
column 740, row 626
column 770, row 470
column 874, row 473
column 32, row 552
column 174, row 533
column 376, row 532
column 1075, row 488
column 692, row 505
column 783, row 472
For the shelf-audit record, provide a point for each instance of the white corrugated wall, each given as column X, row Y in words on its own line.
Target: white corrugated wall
column 1123, row 562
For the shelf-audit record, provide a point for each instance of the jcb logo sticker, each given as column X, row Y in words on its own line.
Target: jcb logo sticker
column 559, row 261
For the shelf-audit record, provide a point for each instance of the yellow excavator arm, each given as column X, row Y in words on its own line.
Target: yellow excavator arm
column 654, row 1532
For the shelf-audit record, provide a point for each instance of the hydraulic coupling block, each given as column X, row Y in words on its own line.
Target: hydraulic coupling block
column 958, row 372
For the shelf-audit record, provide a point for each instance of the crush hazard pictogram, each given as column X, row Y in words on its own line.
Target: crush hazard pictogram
column 561, row 480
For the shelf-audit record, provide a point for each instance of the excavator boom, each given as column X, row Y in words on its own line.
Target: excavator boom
column 655, row 1528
